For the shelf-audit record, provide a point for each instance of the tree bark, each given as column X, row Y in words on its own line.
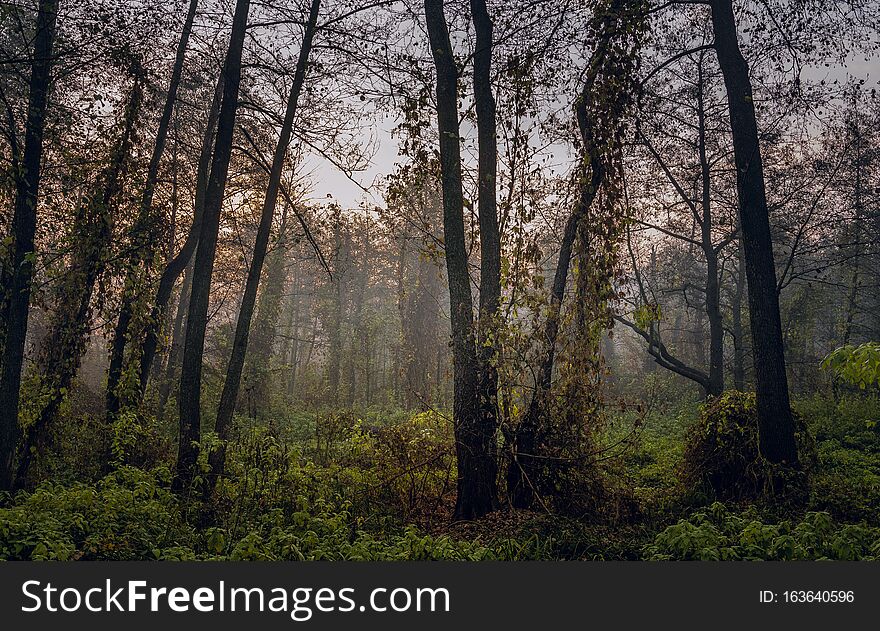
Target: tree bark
column 775, row 423
column 490, row 238
column 189, row 398
column 24, row 226
column 477, row 467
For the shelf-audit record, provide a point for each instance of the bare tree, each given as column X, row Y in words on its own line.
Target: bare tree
column 477, row 467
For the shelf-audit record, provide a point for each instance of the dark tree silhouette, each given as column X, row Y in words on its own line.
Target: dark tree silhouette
column 24, row 225
column 477, row 467
column 189, row 399
column 776, row 426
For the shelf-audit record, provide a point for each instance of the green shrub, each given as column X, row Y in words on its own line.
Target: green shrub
column 346, row 485
column 131, row 515
column 135, row 440
column 722, row 453
column 415, row 465
column 856, row 365
column 853, row 420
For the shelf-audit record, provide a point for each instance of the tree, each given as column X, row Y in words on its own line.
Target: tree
column 687, row 222
column 185, row 258
column 600, row 110
column 189, row 399
column 91, row 236
column 144, row 235
column 475, row 455
column 266, row 321
column 775, row 422
column 490, row 239
column 24, row 225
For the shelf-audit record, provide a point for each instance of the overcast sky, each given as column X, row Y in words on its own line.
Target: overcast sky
column 328, row 180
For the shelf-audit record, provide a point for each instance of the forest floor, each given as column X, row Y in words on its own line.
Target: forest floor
column 380, row 486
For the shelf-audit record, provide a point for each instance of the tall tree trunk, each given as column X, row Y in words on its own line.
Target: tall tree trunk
column 739, row 346
column 246, row 312
column 856, row 248
column 290, row 353
column 268, row 310
column 775, row 423
column 355, row 355
column 490, row 239
column 143, row 232
column 169, row 252
column 713, row 285
column 851, row 304
column 339, row 280
column 176, row 349
column 402, row 352
column 476, row 485
column 189, row 398
column 419, row 330
column 185, row 259
column 24, row 226
column 313, row 338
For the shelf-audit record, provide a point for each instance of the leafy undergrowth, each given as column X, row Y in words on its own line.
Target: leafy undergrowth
column 348, row 487
column 716, row 534
column 131, row 514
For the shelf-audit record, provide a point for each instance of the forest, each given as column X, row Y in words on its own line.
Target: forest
column 440, row 280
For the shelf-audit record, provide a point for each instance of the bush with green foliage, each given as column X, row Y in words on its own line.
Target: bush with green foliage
column 852, row 419
column 415, row 465
column 346, row 485
column 846, row 480
column 856, row 365
column 847, row 483
column 722, row 452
